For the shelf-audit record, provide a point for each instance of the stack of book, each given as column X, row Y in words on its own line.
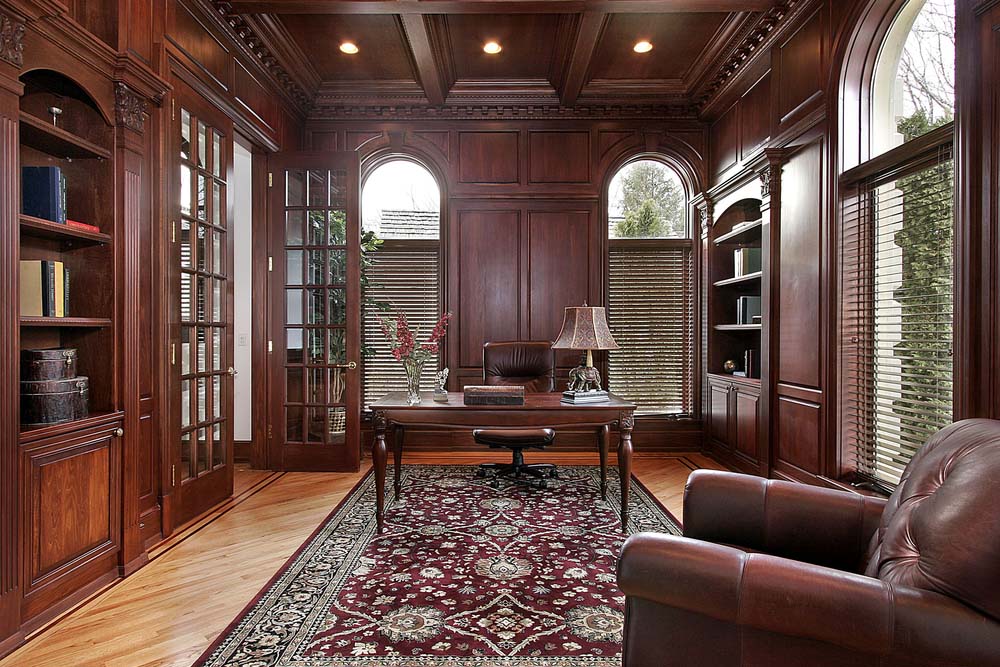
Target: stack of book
column 43, row 193
column 747, row 260
column 44, row 288
column 584, row 397
column 747, row 309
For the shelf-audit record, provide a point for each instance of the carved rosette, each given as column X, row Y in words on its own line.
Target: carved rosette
column 11, row 40
column 379, row 421
column 130, row 108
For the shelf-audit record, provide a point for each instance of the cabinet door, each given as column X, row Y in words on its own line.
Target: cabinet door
column 745, row 421
column 72, row 521
column 718, row 419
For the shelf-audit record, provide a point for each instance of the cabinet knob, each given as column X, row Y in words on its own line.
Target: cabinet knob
column 232, row 371
column 119, row 432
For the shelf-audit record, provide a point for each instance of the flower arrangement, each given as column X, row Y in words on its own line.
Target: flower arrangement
column 403, row 343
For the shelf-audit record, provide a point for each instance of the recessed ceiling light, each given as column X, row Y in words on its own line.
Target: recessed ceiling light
column 642, row 47
column 492, row 48
column 350, row 48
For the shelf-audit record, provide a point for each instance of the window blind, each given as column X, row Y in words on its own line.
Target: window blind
column 651, row 314
column 897, row 313
column 404, row 273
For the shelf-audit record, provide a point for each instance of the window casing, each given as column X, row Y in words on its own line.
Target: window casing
column 896, row 253
column 651, row 289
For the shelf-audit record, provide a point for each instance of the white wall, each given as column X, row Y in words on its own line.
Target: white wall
column 242, row 230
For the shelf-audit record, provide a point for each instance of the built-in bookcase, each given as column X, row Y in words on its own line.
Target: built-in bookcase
column 738, row 228
column 80, row 142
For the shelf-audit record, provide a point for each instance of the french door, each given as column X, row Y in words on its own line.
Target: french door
column 202, row 335
column 315, row 311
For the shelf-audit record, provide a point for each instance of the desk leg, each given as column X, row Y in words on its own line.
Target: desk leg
column 602, row 445
column 378, row 460
column 625, row 462
column 397, row 456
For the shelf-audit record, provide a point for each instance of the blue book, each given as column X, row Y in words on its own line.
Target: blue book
column 43, row 193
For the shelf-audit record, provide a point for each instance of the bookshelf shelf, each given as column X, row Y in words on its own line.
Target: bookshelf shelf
column 748, row 234
column 67, row 322
column 36, row 433
column 46, row 229
column 737, row 327
column 740, row 280
column 56, row 141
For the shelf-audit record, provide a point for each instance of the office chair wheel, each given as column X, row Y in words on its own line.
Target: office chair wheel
column 554, row 474
column 480, row 473
column 495, row 483
column 542, row 484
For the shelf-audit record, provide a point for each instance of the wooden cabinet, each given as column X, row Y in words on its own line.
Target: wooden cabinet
column 71, row 519
column 734, row 421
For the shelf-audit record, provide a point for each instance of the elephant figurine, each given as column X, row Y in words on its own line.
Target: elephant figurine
column 584, row 378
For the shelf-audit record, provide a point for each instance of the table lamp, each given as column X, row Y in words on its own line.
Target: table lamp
column 585, row 328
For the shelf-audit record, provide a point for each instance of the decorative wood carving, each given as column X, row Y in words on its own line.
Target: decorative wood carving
column 765, row 183
column 130, row 108
column 11, row 36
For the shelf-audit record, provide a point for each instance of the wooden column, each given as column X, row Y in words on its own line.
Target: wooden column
column 130, row 115
column 11, row 33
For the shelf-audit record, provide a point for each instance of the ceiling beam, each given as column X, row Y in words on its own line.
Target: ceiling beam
column 419, row 39
column 582, row 52
column 494, row 6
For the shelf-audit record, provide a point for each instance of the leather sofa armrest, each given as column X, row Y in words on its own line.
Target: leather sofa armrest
column 797, row 521
column 788, row 598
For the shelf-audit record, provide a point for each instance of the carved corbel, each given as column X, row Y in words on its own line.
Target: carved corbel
column 11, row 40
column 130, row 108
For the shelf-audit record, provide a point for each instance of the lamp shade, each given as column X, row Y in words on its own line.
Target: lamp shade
column 585, row 328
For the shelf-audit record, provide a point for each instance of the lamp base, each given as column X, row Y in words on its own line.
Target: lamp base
column 584, row 397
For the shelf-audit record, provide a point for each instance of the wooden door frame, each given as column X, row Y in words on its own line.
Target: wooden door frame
column 279, row 456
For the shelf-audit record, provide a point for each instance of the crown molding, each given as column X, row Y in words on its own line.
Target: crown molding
column 497, row 111
column 248, row 34
column 758, row 36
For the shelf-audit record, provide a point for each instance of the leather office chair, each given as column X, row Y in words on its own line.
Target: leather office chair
column 530, row 365
column 775, row 573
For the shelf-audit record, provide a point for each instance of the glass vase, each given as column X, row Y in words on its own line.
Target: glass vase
column 414, row 368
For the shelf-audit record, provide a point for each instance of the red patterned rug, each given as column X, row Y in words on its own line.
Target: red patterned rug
column 464, row 575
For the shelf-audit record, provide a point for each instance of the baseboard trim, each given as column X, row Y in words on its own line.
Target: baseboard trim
column 241, row 451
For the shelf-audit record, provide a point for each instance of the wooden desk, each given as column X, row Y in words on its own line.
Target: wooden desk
column 542, row 410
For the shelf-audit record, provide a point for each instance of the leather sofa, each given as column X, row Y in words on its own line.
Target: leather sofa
column 773, row 573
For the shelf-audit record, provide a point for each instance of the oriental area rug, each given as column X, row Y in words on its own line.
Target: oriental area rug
column 465, row 575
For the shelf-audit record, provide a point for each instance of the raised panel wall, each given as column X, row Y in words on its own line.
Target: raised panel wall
column 559, row 157
column 489, row 280
column 488, row 157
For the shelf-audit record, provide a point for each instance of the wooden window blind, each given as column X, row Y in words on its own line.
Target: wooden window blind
column 896, row 254
column 651, row 314
column 404, row 273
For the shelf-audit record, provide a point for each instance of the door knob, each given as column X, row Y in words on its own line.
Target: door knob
column 351, row 365
column 232, row 371
column 119, row 432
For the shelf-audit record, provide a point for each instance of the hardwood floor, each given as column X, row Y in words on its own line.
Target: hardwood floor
column 200, row 578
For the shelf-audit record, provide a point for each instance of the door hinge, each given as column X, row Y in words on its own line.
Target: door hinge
column 270, row 346
column 270, row 264
column 173, row 475
column 173, row 109
column 270, row 179
column 173, row 354
column 269, row 433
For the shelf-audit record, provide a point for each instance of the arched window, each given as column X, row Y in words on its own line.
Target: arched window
column 896, row 249
column 650, row 288
column 401, row 223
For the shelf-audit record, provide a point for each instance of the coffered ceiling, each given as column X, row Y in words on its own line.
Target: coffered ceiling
column 427, row 53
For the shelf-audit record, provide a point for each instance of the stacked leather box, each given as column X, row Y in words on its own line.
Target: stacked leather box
column 51, row 391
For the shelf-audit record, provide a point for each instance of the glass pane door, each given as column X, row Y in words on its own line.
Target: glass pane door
column 315, row 336
column 202, row 352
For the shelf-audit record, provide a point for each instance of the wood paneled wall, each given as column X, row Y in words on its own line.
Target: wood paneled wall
column 523, row 218
column 779, row 101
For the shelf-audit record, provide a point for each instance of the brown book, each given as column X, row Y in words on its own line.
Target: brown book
column 32, row 290
column 494, row 395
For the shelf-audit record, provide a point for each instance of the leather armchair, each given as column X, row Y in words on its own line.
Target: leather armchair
column 775, row 573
